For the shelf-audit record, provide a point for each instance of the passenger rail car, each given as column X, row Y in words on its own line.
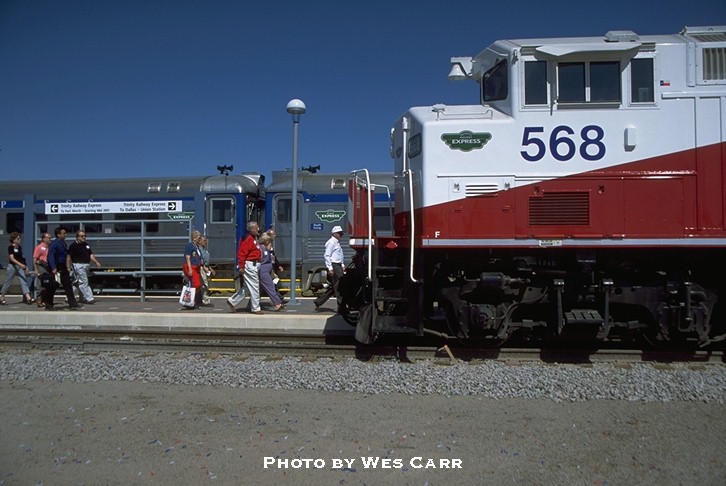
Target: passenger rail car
column 583, row 196
column 138, row 227
column 322, row 204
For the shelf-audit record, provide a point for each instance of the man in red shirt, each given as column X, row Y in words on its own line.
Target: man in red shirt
column 249, row 255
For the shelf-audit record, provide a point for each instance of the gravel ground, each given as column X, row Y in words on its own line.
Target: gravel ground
column 111, row 418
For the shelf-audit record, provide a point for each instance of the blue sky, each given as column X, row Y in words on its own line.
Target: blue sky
column 152, row 88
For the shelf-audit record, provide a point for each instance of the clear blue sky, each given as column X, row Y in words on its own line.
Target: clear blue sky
column 151, row 88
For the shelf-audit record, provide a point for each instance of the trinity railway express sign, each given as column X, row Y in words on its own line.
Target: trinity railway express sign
column 91, row 207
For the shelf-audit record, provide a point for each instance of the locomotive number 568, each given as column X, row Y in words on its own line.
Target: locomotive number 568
column 561, row 145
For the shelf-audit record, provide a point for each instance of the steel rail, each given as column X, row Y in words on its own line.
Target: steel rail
column 275, row 346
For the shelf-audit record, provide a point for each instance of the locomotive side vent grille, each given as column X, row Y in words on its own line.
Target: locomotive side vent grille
column 714, row 64
column 713, row 37
column 473, row 190
column 560, row 208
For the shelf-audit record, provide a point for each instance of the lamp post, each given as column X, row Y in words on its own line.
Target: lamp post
column 295, row 108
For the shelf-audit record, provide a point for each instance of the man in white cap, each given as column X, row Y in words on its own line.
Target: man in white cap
column 334, row 262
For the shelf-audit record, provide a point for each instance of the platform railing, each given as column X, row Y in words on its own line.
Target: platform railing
column 140, row 254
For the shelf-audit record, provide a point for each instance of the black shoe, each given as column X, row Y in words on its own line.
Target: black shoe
column 49, row 308
column 75, row 307
column 317, row 306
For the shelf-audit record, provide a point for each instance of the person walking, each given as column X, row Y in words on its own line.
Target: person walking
column 60, row 265
column 42, row 270
column 205, row 270
column 277, row 268
column 192, row 267
column 333, row 257
column 249, row 255
column 17, row 267
column 266, row 281
column 81, row 257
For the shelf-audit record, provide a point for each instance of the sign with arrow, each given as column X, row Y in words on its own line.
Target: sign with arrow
column 113, row 207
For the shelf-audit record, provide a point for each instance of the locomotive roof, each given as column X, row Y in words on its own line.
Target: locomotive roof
column 612, row 41
column 623, row 39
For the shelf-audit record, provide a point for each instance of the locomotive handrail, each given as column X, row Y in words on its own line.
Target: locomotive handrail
column 407, row 171
column 413, row 225
column 370, row 220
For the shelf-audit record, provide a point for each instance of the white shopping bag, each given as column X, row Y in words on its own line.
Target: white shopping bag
column 187, row 296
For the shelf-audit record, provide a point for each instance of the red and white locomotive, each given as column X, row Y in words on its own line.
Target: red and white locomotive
column 583, row 195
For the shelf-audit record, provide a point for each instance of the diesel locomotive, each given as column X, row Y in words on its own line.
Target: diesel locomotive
column 582, row 196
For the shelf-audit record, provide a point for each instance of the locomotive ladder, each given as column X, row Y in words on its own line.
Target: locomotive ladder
column 393, row 309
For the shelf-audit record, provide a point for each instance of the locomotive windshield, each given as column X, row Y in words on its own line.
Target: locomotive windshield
column 581, row 82
column 495, row 84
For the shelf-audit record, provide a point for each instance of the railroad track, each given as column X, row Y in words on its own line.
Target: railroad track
column 275, row 346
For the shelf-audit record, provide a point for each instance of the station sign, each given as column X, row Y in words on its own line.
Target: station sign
column 18, row 204
column 113, row 207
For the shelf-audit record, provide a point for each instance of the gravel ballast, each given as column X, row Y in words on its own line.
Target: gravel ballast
column 70, row 417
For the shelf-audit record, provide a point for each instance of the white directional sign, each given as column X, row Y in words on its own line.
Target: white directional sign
column 91, row 207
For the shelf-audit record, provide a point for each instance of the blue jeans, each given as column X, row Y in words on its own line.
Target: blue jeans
column 14, row 270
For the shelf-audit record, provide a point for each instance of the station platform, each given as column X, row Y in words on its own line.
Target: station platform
column 165, row 314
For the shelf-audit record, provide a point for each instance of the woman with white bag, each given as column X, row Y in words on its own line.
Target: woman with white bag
column 191, row 296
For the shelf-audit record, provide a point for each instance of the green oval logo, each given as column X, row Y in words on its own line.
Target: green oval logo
column 466, row 140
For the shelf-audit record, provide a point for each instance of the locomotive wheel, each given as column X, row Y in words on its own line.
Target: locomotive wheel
column 651, row 338
column 466, row 338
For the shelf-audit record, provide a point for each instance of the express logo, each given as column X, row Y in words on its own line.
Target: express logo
column 466, row 140
column 330, row 215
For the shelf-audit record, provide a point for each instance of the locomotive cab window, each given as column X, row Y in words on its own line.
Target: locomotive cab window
column 535, row 83
column 495, row 84
column 589, row 82
column 641, row 81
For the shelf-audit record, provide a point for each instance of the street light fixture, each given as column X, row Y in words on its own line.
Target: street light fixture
column 295, row 108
